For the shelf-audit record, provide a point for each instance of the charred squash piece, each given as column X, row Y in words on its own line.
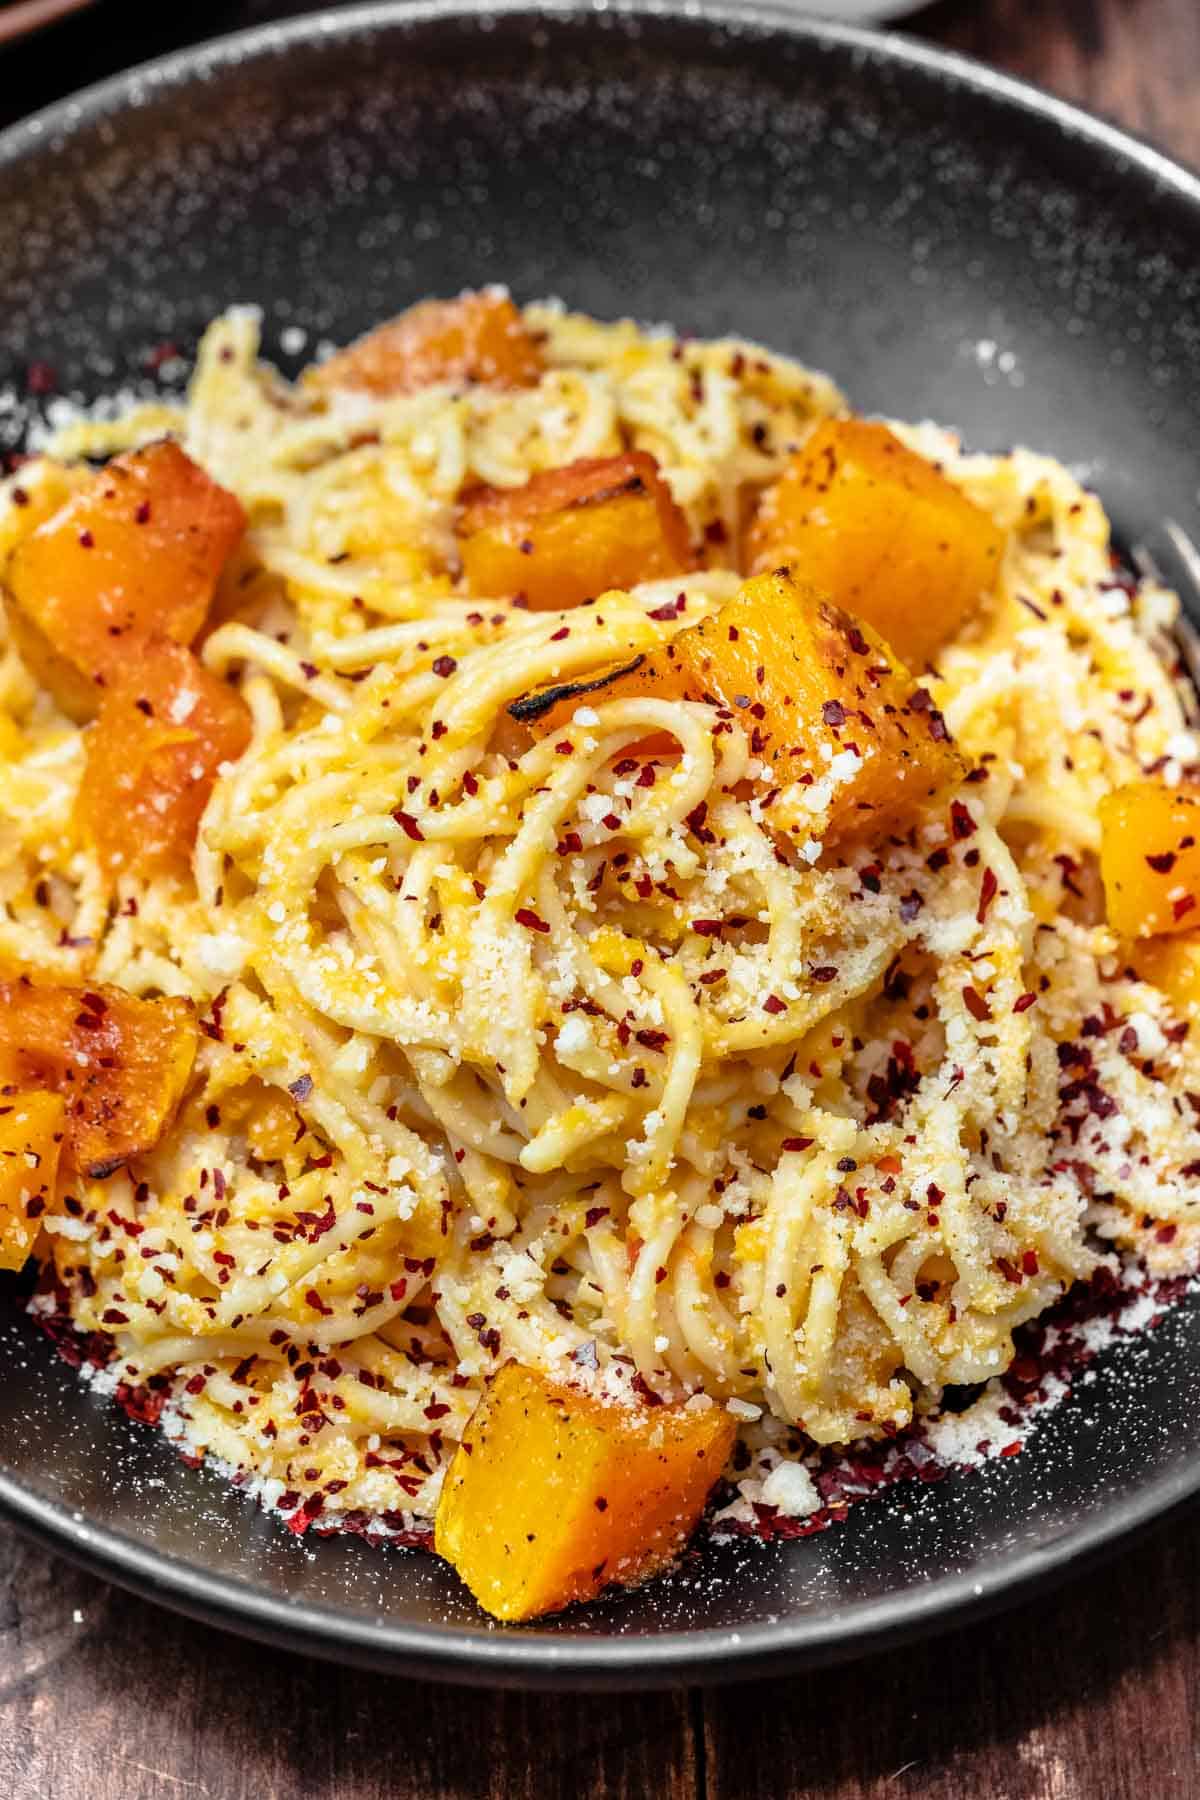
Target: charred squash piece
column 883, row 533
column 119, row 1063
column 32, row 1127
column 554, row 1493
column 166, row 725
column 478, row 337
column 821, row 695
column 136, row 552
column 1150, row 859
column 569, row 534
column 656, row 673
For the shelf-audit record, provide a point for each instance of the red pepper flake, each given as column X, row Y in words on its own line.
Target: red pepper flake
column 302, row 1518
column 160, row 354
column 600, row 1503
column 41, row 378
column 976, row 1005
column 834, row 714
column 652, row 1040
column 556, row 637
column 707, row 927
column 642, row 1387
column 1024, row 1002
column 409, row 825
column 1162, row 865
column 1029, row 1262
column 989, row 888
column 1011, row 1450
column 525, row 916
column 962, row 825
column 825, row 973
column 1183, row 906
column 318, row 1305
column 444, row 666
column 797, row 1143
column 646, row 778
column 471, row 783
column 773, row 1004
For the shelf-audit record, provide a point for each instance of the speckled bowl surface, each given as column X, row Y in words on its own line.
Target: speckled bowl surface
column 947, row 244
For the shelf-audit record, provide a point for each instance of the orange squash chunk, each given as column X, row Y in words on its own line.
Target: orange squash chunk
column 1150, row 858
column 119, row 1063
column 882, row 532
column 166, row 725
column 137, row 552
column 478, row 337
column 553, row 1493
column 32, row 1127
column 808, row 682
column 569, row 534
column 1172, row 965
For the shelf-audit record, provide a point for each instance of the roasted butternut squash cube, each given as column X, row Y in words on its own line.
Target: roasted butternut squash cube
column 32, row 1127
column 822, row 697
column 119, row 1063
column 478, row 337
column 137, row 552
column 554, row 1493
column 166, row 725
column 1150, row 858
column 1172, row 965
column 883, row 533
column 73, row 692
column 569, row 534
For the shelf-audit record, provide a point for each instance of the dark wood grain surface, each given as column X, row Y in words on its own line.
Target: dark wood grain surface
column 1090, row 1695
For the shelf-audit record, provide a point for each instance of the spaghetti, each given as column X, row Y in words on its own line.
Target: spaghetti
column 542, row 1048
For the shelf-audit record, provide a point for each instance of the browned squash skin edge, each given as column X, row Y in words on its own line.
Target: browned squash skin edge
column 536, row 705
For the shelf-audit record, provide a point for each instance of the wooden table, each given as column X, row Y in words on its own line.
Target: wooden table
column 1090, row 1695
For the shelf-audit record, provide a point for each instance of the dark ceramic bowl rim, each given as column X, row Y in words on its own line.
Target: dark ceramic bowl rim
column 507, row 1657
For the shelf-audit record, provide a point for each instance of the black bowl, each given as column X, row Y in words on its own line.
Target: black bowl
column 948, row 244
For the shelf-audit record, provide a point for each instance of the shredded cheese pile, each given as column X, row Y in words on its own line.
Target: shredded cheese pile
column 574, row 1061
